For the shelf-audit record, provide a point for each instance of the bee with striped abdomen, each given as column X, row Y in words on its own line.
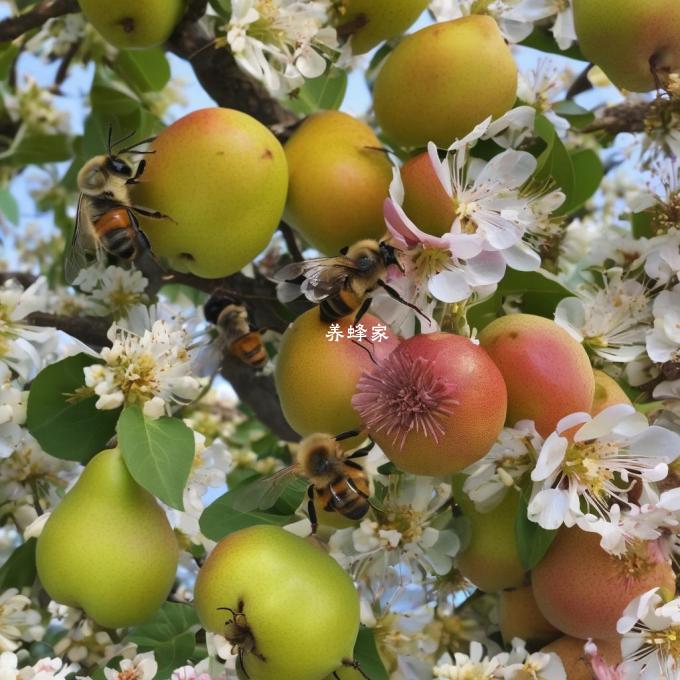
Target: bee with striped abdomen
column 342, row 285
column 105, row 218
column 237, row 335
column 334, row 477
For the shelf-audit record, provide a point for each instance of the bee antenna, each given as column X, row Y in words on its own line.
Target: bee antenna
column 113, row 145
column 136, row 144
column 108, row 141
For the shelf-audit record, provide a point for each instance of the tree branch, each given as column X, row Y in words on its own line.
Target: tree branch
column 624, row 117
column 88, row 329
column 14, row 27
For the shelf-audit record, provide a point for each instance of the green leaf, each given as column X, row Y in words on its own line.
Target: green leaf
column 588, row 172
column 532, row 539
column 171, row 635
column 147, row 70
column 220, row 518
column 29, row 147
column 111, row 96
column 541, row 292
column 8, row 206
column 366, row 653
column 542, row 39
column 641, row 223
column 158, row 453
column 19, row 570
column 8, row 53
column 322, row 93
column 68, row 428
column 554, row 161
column 575, row 114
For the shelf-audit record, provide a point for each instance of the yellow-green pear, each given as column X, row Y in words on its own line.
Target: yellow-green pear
column 108, row 548
column 490, row 560
column 369, row 22
column 339, row 179
column 441, row 81
column 130, row 24
column 221, row 178
column 635, row 42
column 290, row 608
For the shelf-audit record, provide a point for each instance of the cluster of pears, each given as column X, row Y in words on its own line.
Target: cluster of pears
column 109, row 550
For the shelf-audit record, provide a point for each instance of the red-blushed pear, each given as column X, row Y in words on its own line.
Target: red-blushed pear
column 490, row 559
column 108, row 547
column 425, row 200
column 441, row 81
column 130, row 24
column 607, row 393
column 338, row 181
column 221, row 178
column 519, row 616
column 574, row 659
column 637, row 45
column 435, row 405
column 547, row 373
column 291, row 609
column 316, row 377
column 582, row 590
column 369, row 22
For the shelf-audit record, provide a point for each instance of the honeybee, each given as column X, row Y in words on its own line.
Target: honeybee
column 236, row 332
column 334, row 477
column 105, row 217
column 342, row 284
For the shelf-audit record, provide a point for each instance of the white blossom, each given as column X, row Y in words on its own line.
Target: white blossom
column 611, row 321
column 281, row 42
column 409, row 530
column 114, row 290
column 519, row 664
column 615, row 447
column 22, row 346
column 651, row 642
column 47, row 669
column 12, row 412
column 463, row 666
column 662, row 262
column 152, row 369
column 18, row 620
column 509, row 459
column 539, row 87
column 138, row 667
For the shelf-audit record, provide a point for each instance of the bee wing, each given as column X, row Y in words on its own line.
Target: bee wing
column 264, row 492
column 84, row 249
column 321, row 278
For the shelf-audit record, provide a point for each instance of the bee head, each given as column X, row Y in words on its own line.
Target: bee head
column 389, row 255
column 95, row 176
column 215, row 305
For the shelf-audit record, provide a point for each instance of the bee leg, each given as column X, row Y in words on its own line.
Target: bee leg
column 154, row 214
column 138, row 173
column 347, row 435
column 370, row 355
column 362, row 310
column 394, row 294
column 243, row 666
column 363, row 451
column 336, row 676
column 311, row 510
column 353, row 663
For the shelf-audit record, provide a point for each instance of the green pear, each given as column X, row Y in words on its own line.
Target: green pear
column 441, row 81
column 339, row 179
column 130, row 24
column 635, row 42
column 292, row 611
column 369, row 22
column 221, row 178
column 490, row 560
column 108, row 548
